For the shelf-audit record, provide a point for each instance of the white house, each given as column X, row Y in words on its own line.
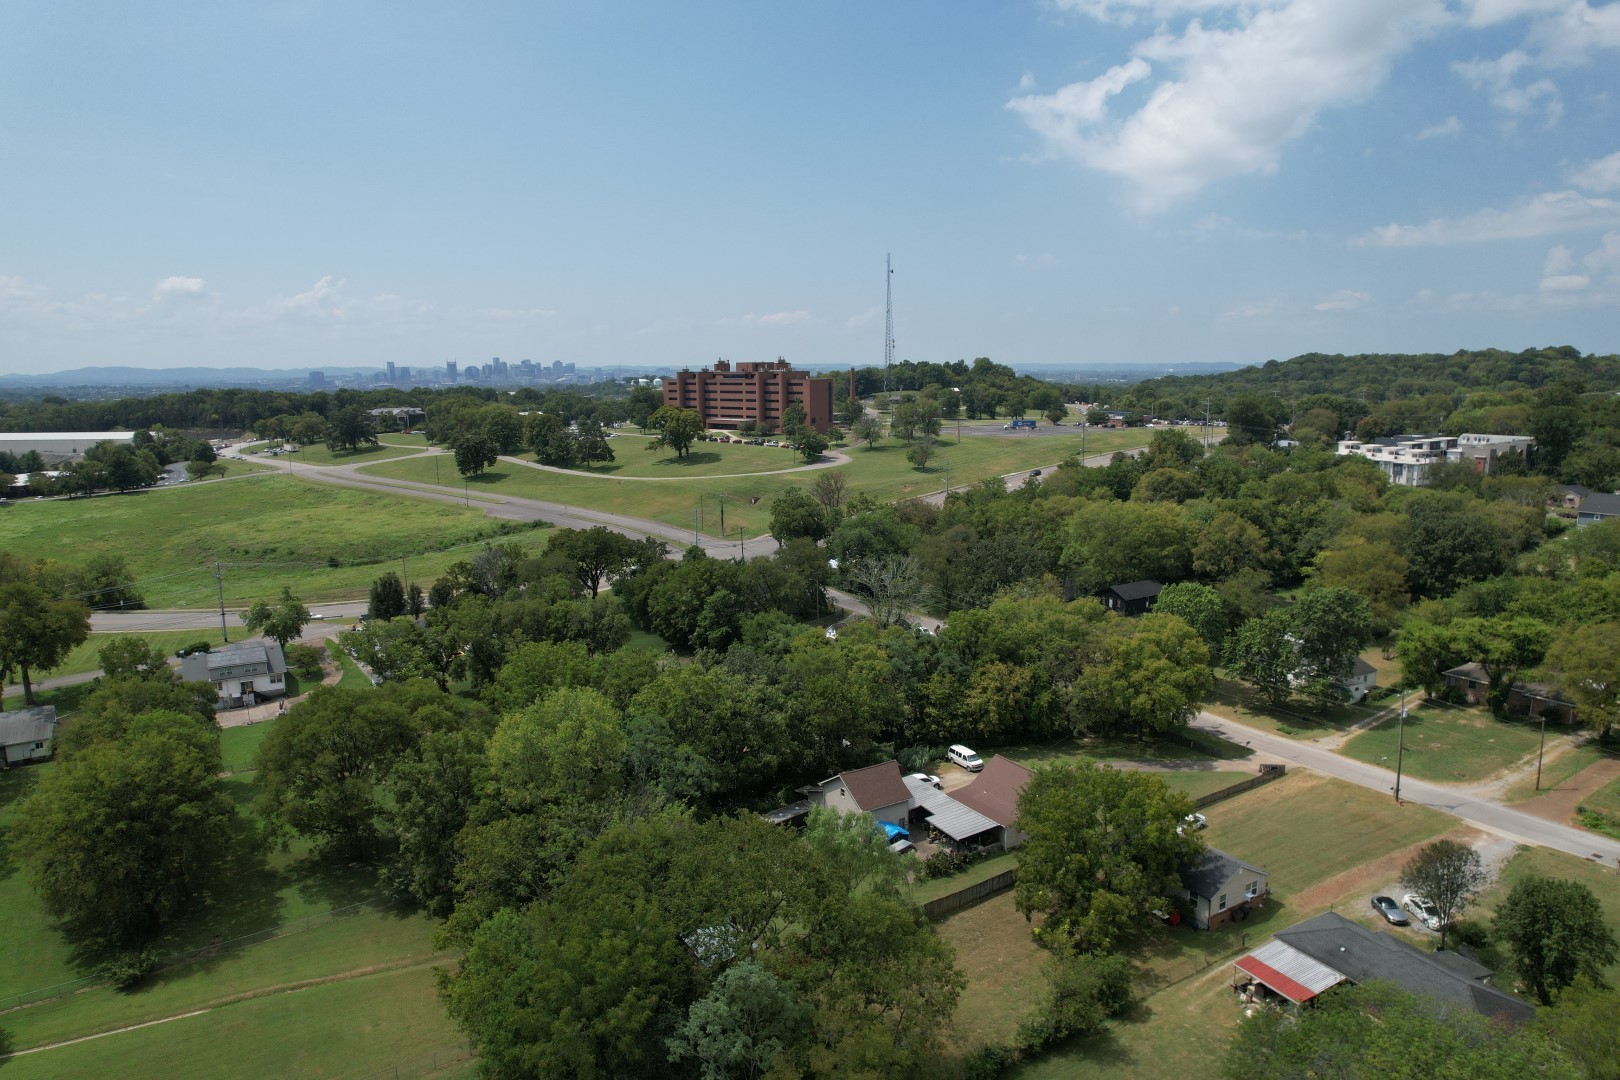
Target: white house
column 1220, row 888
column 26, row 734
column 244, row 673
column 1406, row 459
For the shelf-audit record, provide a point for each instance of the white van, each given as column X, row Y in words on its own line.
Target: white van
column 967, row 759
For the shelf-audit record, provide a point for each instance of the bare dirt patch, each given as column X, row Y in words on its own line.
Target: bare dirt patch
column 1559, row 804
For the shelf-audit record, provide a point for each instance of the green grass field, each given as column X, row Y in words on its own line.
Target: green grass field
column 1577, row 754
column 318, row 454
column 1305, row 829
column 238, row 744
column 632, row 457
column 268, row 532
column 883, row 473
column 400, row 438
column 1447, row 744
column 1205, row 749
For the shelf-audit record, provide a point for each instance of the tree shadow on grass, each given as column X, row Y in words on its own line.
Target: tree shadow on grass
column 15, row 785
column 692, row 458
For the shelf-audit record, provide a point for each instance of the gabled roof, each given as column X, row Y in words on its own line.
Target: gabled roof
column 1361, row 667
column 876, row 786
column 31, row 725
column 1470, row 670
column 200, row 667
column 1136, row 590
column 1363, row 955
column 1601, row 504
column 1213, row 869
column 994, row 792
column 1289, row 972
column 956, row 820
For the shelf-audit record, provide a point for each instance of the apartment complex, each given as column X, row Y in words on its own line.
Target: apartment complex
column 756, row 393
column 1405, row 459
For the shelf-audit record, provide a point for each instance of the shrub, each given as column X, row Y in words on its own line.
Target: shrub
column 989, row 1062
column 1082, row 992
column 919, row 758
column 305, row 660
column 943, row 863
column 127, row 970
column 1471, row 932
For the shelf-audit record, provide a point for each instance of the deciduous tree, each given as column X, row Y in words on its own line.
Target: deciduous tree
column 1448, row 875
column 282, row 621
column 676, row 427
column 1555, row 931
column 37, row 631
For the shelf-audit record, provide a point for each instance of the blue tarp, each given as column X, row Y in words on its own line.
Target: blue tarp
column 893, row 831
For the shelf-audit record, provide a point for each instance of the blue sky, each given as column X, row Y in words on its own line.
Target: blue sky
column 1059, row 181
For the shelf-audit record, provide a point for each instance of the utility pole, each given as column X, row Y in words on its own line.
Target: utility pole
column 1542, row 752
column 1400, row 746
column 947, row 479
column 888, row 320
column 1205, row 435
column 742, row 544
column 219, row 576
column 696, row 517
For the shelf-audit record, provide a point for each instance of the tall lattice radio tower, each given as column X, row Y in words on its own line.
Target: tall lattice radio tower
column 888, row 320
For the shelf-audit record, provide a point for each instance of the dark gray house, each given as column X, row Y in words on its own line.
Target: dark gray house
column 1132, row 598
column 1317, row 954
column 1596, row 507
column 1221, row 888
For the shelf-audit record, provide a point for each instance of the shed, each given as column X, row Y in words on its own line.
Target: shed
column 26, row 734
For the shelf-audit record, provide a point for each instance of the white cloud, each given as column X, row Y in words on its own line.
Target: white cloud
column 774, row 319
column 1026, row 82
column 1601, row 175
column 1343, row 300
column 1605, row 258
column 1126, row 12
column 1257, row 309
column 1233, row 98
column 1544, row 215
column 179, row 286
column 1497, row 78
column 518, row 313
column 1449, row 126
column 865, row 318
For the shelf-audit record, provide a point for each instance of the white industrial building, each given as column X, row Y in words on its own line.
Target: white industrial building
column 1405, row 459
column 58, row 446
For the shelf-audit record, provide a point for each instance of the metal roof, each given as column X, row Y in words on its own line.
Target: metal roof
column 947, row 815
column 1290, row 972
column 31, row 725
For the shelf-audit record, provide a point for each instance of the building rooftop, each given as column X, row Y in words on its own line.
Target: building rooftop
column 31, row 725
column 1136, row 590
column 994, row 791
column 876, row 786
column 1213, row 869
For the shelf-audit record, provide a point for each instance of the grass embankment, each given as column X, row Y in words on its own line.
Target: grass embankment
column 1448, row 744
column 883, row 473
column 1568, row 753
column 326, row 542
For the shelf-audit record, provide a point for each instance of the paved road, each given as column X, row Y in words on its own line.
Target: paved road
column 1481, row 813
column 1018, row 479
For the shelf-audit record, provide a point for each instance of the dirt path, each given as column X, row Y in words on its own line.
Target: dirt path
column 1559, row 804
column 236, row 999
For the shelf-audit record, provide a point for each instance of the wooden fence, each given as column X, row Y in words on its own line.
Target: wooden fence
column 1268, row 773
column 941, row 906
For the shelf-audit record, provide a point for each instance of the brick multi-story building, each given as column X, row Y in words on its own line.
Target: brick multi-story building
column 729, row 397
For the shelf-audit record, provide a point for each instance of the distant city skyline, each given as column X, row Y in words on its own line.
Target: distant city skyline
column 1061, row 182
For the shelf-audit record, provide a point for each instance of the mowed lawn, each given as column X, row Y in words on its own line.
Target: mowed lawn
column 382, row 1024
column 326, row 542
column 318, row 454
column 884, row 473
column 1446, row 743
column 1297, row 719
column 636, row 455
column 1305, row 829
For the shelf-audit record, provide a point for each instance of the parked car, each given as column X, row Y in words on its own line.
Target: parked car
column 967, row 759
column 1390, row 910
column 903, row 847
column 1193, row 822
column 1423, row 908
column 927, row 778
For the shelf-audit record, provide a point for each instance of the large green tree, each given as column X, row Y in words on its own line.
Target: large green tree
column 1555, row 931
column 121, row 837
column 1149, row 681
column 282, row 621
column 596, row 554
column 1587, row 659
column 37, row 631
column 677, row 428
column 1448, row 875
column 1103, row 850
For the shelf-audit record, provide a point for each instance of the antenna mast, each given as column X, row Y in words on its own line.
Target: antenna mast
column 888, row 321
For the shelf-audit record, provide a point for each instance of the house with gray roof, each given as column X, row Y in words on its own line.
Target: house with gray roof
column 1596, row 507
column 1221, row 888
column 26, row 734
column 243, row 673
column 1318, row 954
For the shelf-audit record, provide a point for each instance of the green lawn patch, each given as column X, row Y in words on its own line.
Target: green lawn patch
column 1199, row 783
column 238, row 744
column 353, row 678
column 632, row 457
column 1447, row 744
column 1305, row 829
column 1297, row 719
column 35, row 955
column 65, row 698
column 925, row 889
column 1198, row 747
column 1003, row 965
column 317, row 454
column 646, row 641
column 326, row 542
column 352, row 1028
column 399, row 438
column 1605, row 799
